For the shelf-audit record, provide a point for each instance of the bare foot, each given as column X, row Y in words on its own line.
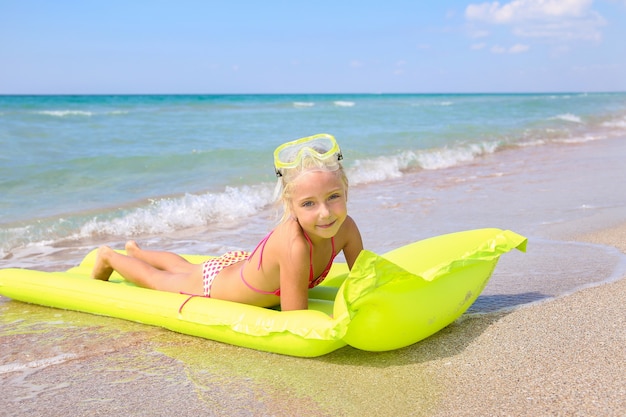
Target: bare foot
column 102, row 270
column 132, row 248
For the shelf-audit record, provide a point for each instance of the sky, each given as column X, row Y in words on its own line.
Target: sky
column 291, row 46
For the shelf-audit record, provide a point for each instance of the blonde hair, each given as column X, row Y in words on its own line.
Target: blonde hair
column 286, row 182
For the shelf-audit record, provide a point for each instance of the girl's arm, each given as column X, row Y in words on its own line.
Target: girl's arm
column 294, row 276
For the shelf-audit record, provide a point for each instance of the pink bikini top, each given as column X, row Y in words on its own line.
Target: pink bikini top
column 312, row 281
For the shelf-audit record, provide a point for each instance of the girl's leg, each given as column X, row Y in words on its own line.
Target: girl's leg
column 143, row 274
column 165, row 261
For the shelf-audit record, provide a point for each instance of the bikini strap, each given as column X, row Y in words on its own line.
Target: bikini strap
column 261, row 245
column 311, row 272
column 180, row 310
column 312, row 280
column 243, row 279
column 323, row 275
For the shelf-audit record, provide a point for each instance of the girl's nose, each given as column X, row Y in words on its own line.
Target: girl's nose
column 324, row 211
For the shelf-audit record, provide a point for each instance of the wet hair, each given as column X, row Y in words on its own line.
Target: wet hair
column 286, row 182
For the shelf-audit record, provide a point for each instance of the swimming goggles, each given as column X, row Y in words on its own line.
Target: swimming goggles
column 321, row 146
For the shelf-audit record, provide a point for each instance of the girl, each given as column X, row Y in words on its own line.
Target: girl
column 292, row 258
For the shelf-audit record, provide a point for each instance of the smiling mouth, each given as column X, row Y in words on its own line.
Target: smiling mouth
column 326, row 226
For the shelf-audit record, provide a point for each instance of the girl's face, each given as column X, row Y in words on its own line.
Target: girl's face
column 319, row 203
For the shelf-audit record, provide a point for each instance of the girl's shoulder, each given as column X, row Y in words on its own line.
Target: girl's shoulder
column 349, row 241
column 289, row 238
column 349, row 224
column 349, row 230
column 288, row 250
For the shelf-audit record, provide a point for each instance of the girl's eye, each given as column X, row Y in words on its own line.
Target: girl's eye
column 307, row 204
column 334, row 196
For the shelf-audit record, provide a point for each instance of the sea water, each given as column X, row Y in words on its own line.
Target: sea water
column 194, row 173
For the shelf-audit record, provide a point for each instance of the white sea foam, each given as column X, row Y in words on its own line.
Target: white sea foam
column 160, row 216
column 444, row 103
column 303, row 104
column 560, row 97
column 389, row 167
column 37, row 364
column 448, row 157
column 168, row 215
column 579, row 139
column 618, row 123
column 64, row 113
column 379, row 169
column 529, row 143
column 340, row 103
column 568, row 117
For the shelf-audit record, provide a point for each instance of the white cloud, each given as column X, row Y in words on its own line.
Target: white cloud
column 564, row 30
column 515, row 49
column 560, row 20
column 521, row 10
column 518, row 48
column 497, row 49
column 477, row 46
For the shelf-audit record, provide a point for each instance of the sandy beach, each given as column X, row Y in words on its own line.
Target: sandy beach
column 565, row 357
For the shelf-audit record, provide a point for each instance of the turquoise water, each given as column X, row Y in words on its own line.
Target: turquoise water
column 106, row 168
